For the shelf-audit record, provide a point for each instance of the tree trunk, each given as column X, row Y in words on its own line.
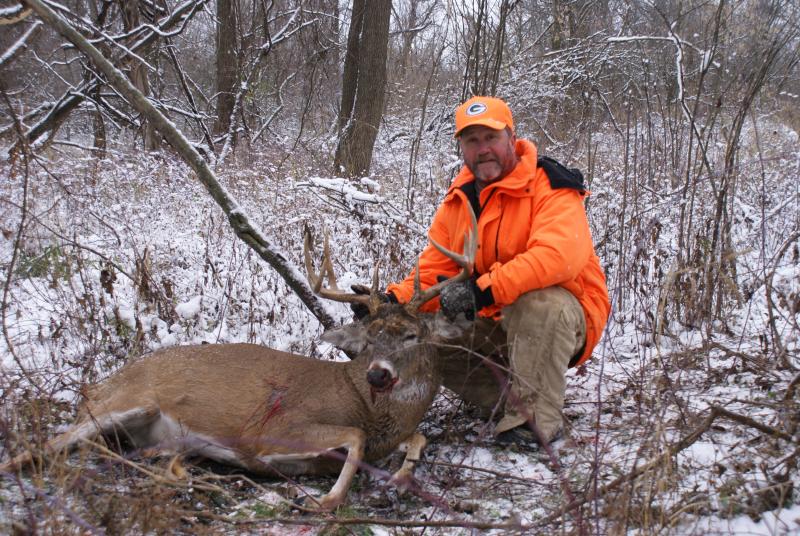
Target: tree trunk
column 350, row 74
column 363, row 86
column 138, row 74
column 560, row 32
column 408, row 36
column 99, row 126
column 226, row 65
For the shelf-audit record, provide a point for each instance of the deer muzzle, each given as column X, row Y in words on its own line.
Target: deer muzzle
column 381, row 377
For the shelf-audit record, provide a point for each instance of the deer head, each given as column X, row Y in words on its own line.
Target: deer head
column 392, row 335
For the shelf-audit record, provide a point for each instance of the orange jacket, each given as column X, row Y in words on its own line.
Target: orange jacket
column 530, row 236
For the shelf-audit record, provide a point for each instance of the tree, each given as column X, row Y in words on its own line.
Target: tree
column 138, row 72
column 227, row 69
column 363, row 85
column 483, row 36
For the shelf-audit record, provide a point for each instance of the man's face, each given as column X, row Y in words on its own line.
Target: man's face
column 488, row 153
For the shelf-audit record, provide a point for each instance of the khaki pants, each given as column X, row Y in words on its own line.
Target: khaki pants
column 516, row 367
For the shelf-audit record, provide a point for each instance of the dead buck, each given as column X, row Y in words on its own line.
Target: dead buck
column 271, row 412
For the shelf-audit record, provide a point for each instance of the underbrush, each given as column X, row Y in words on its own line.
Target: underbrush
column 673, row 426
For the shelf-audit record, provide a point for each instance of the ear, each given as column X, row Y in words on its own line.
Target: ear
column 443, row 328
column 351, row 338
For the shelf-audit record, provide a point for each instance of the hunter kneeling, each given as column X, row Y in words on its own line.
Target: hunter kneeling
column 538, row 297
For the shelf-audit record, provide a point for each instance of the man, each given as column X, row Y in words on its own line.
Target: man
column 538, row 291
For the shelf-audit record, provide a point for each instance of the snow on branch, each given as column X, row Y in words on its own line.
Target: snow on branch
column 281, row 35
column 345, row 188
column 674, row 39
column 12, row 14
column 72, row 98
column 20, row 44
column 346, row 195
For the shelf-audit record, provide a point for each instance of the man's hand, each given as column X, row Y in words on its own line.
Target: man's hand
column 359, row 309
column 464, row 297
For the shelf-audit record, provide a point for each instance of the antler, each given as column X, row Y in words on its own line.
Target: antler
column 333, row 292
column 466, row 261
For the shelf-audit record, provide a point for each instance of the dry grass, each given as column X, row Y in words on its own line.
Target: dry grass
column 91, row 290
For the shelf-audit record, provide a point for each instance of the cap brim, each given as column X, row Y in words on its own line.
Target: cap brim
column 486, row 122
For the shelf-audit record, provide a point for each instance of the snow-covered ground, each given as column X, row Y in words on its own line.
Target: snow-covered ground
column 106, row 260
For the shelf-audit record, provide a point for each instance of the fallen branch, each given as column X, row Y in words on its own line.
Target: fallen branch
column 498, row 474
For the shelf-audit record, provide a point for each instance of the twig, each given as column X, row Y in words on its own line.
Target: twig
column 499, row 474
column 747, row 421
column 456, row 523
column 25, row 151
column 665, row 457
column 160, row 479
column 780, row 349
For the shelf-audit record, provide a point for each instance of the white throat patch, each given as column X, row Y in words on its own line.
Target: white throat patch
column 409, row 392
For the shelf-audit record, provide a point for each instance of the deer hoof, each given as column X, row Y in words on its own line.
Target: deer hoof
column 326, row 503
column 402, row 480
column 330, row 502
column 175, row 470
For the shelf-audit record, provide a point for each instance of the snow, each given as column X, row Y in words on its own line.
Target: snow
column 783, row 522
column 190, row 309
column 182, row 277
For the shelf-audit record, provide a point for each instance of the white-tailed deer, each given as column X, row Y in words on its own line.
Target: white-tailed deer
column 272, row 412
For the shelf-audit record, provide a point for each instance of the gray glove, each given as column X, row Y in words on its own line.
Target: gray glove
column 464, row 297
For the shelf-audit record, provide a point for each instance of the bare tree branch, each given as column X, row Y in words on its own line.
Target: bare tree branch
column 236, row 216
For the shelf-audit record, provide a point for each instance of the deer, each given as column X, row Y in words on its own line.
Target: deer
column 272, row 413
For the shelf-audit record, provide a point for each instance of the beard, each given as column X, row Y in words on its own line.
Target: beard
column 493, row 167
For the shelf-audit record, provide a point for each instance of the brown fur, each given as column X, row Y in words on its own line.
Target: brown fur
column 269, row 411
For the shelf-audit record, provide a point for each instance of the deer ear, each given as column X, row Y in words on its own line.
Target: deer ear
column 444, row 328
column 350, row 338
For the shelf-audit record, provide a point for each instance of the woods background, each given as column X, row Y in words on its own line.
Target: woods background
column 682, row 115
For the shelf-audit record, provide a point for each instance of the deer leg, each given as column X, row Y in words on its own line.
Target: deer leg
column 316, row 441
column 63, row 442
column 128, row 423
column 412, row 446
column 355, row 453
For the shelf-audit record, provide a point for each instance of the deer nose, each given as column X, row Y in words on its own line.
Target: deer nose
column 379, row 377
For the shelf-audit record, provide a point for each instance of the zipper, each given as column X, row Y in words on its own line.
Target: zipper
column 497, row 237
column 488, row 198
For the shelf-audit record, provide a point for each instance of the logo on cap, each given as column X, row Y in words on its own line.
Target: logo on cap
column 476, row 109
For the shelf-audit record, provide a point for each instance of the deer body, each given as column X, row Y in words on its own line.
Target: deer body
column 273, row 412
column 266, row 411
column 242, row 395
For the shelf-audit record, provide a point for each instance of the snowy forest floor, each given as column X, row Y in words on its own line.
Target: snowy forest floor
column 672, row 430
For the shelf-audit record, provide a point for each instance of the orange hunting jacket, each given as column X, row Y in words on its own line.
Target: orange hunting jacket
column 530, row 236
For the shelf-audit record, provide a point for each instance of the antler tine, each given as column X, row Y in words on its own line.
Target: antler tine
column 374, row 299
column 314, row 279
column 466, row 261
column 326, row 270
column 417, row 284
column 327, row 264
